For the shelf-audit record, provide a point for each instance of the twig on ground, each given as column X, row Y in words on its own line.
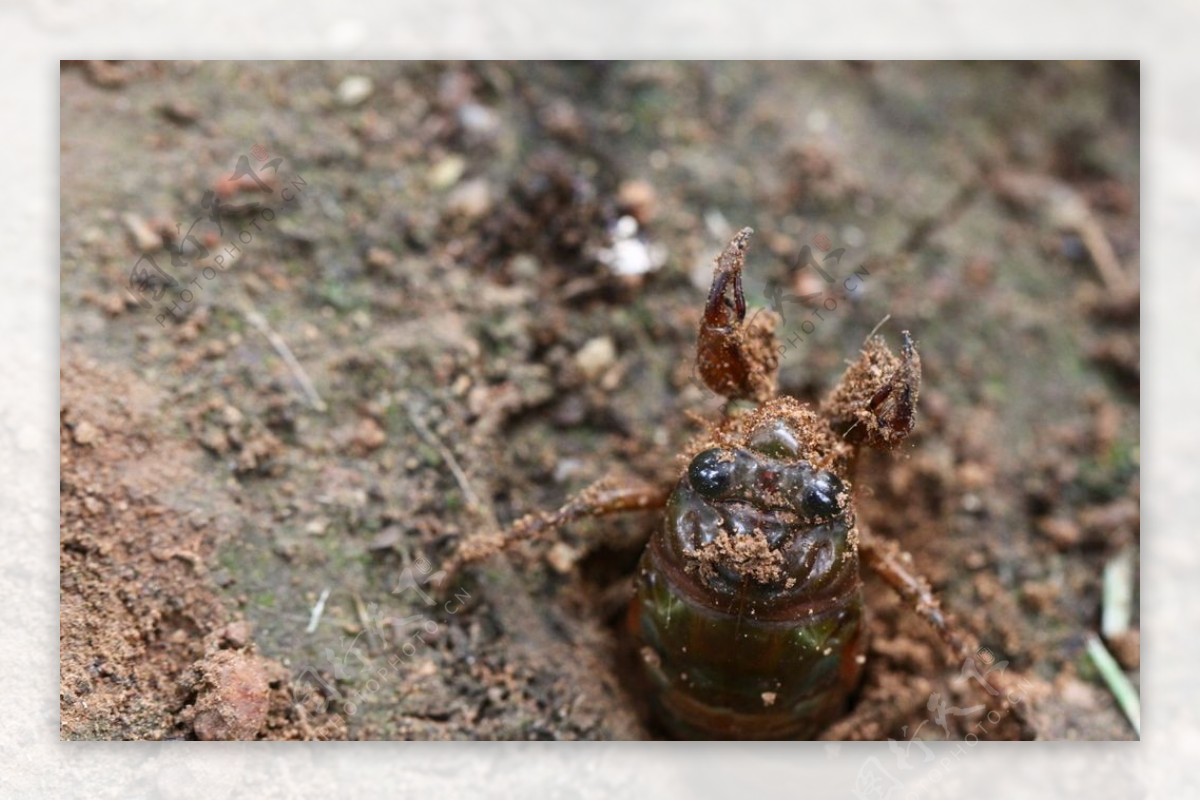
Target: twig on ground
column 258, row 321
column 460, row 476
column 318, row 610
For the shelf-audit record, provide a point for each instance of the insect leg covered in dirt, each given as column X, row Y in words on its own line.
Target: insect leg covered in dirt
column 604, row 497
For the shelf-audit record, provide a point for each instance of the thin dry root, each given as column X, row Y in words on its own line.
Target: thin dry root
column 875, row 403
column 734, row 359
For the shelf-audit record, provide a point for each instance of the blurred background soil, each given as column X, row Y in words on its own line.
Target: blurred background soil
column 452, row 294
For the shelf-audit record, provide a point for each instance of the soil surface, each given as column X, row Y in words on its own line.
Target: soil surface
column 320, row 322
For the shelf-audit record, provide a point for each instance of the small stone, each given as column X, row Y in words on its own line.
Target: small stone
column 596, row 356
column 768, row 699
column 1116, row 521
column 180, row 112
column 446, row 172
column 973, row 476
column 214, row 439
column 972, row 503
column 525, row 266
column 638, row 198
column 237, row 634
column 145, row 238
column 380, row 258
column 1063, row 532
column 387, row 539
column 479, row 121
column 107, row 74
column 234, row 703
column 979, row 272
column 85, row 433
column 629, row 255
column 369, row 435
column 354, row 90
column 567, row 469
column 1039, row 596
column 232, row 415
column 562, row 558
column 562, row 121
column 470, row 200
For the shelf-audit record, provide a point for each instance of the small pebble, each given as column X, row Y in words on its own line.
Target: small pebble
column 638, row 198
column 1063, row 532
column 380, row 258
column 470, row 200
column 973, row 476
column 478, row 121
column 567, row 469
column 237, row 634
column 596, row 356
column 525, row 266
column 354, row 90
column 446, row 172
column 233, row 416
column 369, row 435
column 85, row 433
column 562, row 558
column 180, row 112
column 145, row 238
column 387, row 539
column 234, row 704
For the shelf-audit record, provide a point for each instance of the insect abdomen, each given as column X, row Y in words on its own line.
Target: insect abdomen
column 756, row 634
column 724, row 675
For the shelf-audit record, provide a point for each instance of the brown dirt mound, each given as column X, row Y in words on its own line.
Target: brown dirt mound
column 148, row 649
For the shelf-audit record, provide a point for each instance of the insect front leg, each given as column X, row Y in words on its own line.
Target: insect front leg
column 606, row 496
column 896, row 568
column 736, row 359
column 875, row 403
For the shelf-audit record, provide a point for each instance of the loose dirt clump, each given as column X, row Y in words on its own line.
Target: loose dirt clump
column 138, row 601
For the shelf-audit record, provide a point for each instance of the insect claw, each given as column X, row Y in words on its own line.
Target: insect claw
column 735, row 359
column 875, row 403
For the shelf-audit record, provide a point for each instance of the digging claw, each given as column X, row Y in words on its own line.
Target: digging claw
column 734, row 359
column 875, row 403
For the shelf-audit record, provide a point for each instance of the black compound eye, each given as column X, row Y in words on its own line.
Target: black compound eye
column 710, row 472
column 823, row 494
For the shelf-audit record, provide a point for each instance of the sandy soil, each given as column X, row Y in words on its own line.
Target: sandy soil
column 432, row 317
